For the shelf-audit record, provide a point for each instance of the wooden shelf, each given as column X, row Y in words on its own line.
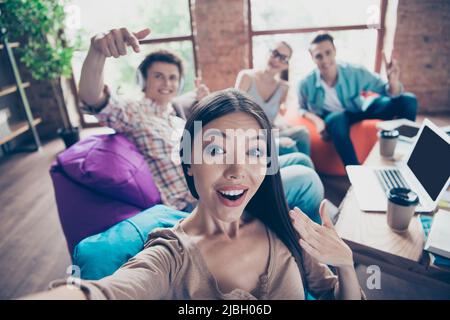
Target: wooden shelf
column 10, row 89
column 14, row 129
column 12, row 44
column 18, row 128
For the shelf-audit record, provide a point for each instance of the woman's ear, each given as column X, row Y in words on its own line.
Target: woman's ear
column 189, row 171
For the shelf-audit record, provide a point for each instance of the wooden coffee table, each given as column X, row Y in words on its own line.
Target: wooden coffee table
column 374, row 243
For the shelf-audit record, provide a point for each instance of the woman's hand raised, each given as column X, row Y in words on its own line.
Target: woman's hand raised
column 321, row 241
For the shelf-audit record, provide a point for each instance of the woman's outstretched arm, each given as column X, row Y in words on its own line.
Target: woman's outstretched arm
column 148, row 275
column 60, row 293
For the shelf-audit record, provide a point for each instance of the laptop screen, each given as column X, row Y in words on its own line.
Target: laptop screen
column 430, row 162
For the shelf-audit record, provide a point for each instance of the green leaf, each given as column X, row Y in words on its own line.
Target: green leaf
column 35, row 21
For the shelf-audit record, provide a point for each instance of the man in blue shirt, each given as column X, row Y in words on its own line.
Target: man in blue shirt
column 332, row 96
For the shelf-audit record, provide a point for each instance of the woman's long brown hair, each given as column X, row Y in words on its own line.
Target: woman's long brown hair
column 269, row 203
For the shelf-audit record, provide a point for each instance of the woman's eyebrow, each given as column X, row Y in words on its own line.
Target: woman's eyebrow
column 211, row 136
column 258, row 137
column 222, row 134
column 215, row 132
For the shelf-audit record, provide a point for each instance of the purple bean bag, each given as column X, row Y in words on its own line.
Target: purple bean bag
column 99, row 182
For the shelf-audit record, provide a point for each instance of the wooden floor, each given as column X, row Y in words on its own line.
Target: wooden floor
column 32, row 247
column 33, row 250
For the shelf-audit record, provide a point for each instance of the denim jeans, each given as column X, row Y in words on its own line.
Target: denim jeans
column 338, row 123
column 302, row 185
column 300, row 137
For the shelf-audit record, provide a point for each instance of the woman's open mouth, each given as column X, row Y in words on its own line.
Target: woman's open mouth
column 232, row 198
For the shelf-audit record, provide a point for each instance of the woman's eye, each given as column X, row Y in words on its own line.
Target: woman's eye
column 256, row 152
column 214, row 150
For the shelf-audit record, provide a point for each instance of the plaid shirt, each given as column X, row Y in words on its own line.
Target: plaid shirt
column 156, row 132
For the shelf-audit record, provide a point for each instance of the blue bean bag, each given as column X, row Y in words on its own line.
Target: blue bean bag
column 100, row 255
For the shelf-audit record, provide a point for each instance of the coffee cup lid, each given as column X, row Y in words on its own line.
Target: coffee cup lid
column 389, row 134
column 403, row 196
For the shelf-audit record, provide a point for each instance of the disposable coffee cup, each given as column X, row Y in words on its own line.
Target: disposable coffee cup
column 402, row 204
column 388, row 141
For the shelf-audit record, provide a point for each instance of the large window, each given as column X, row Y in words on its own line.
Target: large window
column 291, row 14
column 357, row 26
column 170, row 24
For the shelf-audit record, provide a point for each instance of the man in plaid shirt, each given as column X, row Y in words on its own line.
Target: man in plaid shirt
column 155, row 125
column 156, row 131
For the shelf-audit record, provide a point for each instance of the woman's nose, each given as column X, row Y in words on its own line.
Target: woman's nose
column 235, row 172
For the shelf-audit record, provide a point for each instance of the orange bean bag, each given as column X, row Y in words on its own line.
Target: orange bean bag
column 323, row 153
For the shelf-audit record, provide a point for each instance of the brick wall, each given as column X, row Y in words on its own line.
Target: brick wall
column 43, row 103
column 42, row 100
column 222, row 40
column 422, row 44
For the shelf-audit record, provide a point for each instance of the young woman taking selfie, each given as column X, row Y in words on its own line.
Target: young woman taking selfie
column 241, row 241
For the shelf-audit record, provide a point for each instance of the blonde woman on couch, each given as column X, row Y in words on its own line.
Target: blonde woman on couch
column 269, row 88
column 241, row 241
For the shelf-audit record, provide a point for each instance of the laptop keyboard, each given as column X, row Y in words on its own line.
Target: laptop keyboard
column 391, row 178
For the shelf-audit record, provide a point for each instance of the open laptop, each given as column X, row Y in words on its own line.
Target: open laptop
column 425, row 171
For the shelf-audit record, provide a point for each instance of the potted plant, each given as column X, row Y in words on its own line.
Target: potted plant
column 46, row 53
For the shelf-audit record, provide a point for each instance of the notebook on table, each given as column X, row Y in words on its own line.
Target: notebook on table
column 438, row 241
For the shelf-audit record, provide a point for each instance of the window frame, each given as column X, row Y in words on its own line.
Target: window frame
column 380, row 30
column 191, row 37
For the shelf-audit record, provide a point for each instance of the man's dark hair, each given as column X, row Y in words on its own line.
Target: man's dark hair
column 321, row 37
column 160, row 56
